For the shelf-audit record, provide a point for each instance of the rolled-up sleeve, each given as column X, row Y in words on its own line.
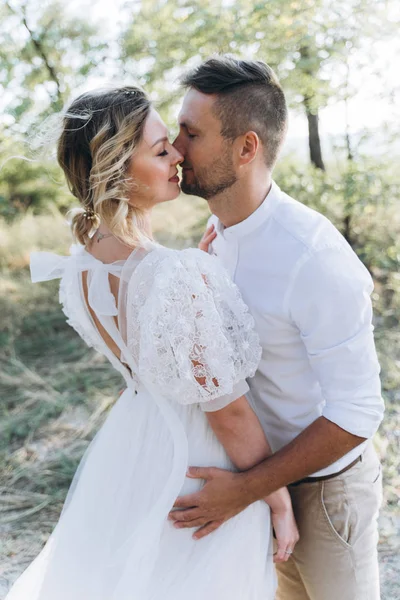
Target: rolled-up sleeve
column 330, row 304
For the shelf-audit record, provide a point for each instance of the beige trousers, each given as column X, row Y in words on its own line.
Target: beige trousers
column 336, row 557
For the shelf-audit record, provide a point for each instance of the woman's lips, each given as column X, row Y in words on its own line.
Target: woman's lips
column 174, row 179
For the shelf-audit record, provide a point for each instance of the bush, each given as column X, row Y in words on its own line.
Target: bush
column 360, row 198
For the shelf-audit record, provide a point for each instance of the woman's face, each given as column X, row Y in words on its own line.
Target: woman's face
column 153, row 166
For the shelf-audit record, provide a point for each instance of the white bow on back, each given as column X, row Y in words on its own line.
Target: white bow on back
column 46, row 266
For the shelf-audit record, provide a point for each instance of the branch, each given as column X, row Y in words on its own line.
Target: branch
column 40, row 50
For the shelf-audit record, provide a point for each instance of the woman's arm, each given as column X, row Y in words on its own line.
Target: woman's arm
column 239, row 431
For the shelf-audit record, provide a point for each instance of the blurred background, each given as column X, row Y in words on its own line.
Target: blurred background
column 338, row 63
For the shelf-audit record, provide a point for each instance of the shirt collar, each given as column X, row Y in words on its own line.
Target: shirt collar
column 253, row 221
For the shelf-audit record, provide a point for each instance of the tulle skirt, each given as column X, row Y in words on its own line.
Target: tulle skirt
column 113, row 540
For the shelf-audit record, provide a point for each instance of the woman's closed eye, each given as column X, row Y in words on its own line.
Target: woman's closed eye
column 163, row 153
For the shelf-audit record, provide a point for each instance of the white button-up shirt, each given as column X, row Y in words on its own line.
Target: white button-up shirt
column 310, row 297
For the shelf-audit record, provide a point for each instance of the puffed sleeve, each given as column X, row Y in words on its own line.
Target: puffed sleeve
column 195, row 338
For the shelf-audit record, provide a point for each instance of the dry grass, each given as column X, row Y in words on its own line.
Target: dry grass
column 55, row 393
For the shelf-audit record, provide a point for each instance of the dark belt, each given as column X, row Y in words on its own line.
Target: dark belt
column 331, row 476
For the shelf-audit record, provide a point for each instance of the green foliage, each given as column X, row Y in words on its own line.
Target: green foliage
column 30, row 186
column 303, row 41
column 364, row 193
column 312, row 45
column 45, row 53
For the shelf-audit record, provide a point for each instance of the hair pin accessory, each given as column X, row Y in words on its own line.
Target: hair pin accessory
column 90, row 214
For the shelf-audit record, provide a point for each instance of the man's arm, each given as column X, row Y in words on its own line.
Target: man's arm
column 226, row 494
column 239, row 431
column 317, row 447
column 330, row 305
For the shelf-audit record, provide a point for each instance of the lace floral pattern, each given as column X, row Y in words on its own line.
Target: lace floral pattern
column 189, row 330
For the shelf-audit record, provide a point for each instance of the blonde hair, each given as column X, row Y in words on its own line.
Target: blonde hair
column 100, row 134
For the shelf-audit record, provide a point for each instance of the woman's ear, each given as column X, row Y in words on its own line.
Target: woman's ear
column 248, row 146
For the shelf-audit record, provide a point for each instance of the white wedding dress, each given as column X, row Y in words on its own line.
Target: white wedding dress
column 113, row 540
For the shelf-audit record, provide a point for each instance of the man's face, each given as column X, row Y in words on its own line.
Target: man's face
column 208, row 168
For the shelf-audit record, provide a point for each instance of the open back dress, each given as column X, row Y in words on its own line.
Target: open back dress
column 179, row 321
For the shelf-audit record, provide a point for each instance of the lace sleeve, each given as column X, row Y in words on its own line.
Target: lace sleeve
column 194, row 338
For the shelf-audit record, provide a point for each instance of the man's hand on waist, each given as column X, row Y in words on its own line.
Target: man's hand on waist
column 223, row 496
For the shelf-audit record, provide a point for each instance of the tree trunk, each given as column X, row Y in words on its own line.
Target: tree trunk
column 309, row 68
column 347, row 226
column 314, row 141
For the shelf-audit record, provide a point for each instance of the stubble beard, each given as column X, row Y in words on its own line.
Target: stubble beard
column 211, row 181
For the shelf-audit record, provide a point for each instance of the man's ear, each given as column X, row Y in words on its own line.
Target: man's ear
column 248, row 146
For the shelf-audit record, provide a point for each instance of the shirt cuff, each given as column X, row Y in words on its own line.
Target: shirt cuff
column 358, row 420
column 239, row 389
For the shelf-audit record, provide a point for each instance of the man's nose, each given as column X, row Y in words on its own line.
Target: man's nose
column 178, row 158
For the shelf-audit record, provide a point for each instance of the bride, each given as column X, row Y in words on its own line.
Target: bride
column 174, row 325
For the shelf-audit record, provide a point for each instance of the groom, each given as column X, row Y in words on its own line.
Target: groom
column 317, row 390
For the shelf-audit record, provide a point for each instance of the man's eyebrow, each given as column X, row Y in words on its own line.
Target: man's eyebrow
column 164, row 139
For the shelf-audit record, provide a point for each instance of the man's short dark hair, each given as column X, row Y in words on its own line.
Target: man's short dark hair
column 249, row 98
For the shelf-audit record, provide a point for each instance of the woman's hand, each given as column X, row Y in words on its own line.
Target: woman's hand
column 209, row 235
column 284, row 524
